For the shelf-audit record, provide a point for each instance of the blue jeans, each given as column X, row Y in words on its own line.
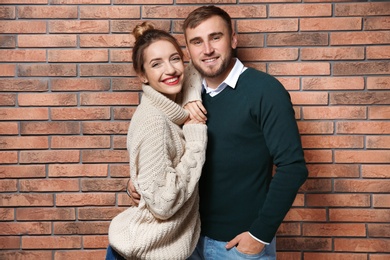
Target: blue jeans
column 210, row 249
column 112, row 254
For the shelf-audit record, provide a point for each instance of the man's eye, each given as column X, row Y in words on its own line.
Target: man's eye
column 215, row 38
column 196, row 42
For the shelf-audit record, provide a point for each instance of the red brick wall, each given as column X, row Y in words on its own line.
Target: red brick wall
column 68, row 92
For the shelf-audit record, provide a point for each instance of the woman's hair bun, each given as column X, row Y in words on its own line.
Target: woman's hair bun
column 140, row 29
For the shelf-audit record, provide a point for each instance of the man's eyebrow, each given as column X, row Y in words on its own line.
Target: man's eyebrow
column 209, row 36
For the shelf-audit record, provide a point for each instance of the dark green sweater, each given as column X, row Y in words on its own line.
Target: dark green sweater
column 250, row 128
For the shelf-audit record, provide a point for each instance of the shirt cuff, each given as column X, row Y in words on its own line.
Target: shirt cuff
column 265, row 243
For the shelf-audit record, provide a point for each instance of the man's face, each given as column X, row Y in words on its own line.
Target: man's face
column 210, row 47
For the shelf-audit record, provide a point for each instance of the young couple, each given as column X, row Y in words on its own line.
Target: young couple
column 250, row 129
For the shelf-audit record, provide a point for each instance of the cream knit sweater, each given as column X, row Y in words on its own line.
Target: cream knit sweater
column 166, row 161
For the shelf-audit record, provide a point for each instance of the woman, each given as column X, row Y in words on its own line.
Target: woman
column 166, row 158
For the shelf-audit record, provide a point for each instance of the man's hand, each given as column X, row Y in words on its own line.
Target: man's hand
column 197, row 111
column 246, row 244
column 134, row 196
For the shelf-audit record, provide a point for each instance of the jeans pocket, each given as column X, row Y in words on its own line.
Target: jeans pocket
column 248, row 256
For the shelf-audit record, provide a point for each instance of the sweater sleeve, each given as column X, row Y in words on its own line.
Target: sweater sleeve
column 282, row 138
column 192, row 85
column 163, row 186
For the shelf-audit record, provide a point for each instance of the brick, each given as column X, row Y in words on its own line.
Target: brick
column 26, row 254
column 80, row 254
column 335, row 53
column 46, row 128
column 47, row 41
column 78, row 170
column 8, row 185
column 93, row 99
column 124, row 200
column 333, row 170
column 9, row 128
column 7, row 99
column 62, row 156
column 78, row 55
column 376, row 23
column 119, row 170
column 361, row 68
column 381, row 201
column 47, row 99
column 307, row 127
column 309, row 98
column 110, row 12
column 98, row 213
column 256, row 65
column 289, row 229
column 268, row 54
column 126, row 26
column 23, row 27
column 91, row 156
column 330, row 24
column 49, row 12
column 51, row 242
column 318, row 156
column 322, row 142
column 335, row 256
column 302, row 10
column 269, row 25
column 22, row 55
column 9, row 242
column 7, row 41
column 7, row 70
column 297, row 39
column 299, row 201
column 317, row 185
column 26, row 142
column 80, row 142
column 107, row 185
column 362, row 127
column 107, row 70
column 300, row 68
column 378, row 53
column 361, row 9
column 338, row 200
column 29, row 228
column 288, row 255
column 22, row 85
column 378, row 82
column 24, row 113
column 80, row 84
column 334, row 112
column 378, row 230
column 85, row 199
column 47, row 70
column 359, row 38
column 120, row 55
column 250, row 40
column 245, row 11
column 362, row 156
column 290, row 83
column 111, row 40
column 80, row 228
column 72, row 2
column 95, row 241
column 21, row 171
column 26, row 200
column 8, row 157
column 297, row 214
column 333, row 230
column 45, row 214
column 84, row 26
column 306, row 244
column 359, row 186
column 361, row 245
column 56, row 185
column 105, row 127
column 119, row 84
column 80, row 113
column 123, row 113
column 375, row 171
column 24, row 1
column 7, row 12
column 378, row 142
column 376, row 256
column 334, row 83
column 120, row 142
column 359, row 215
column 7, row 214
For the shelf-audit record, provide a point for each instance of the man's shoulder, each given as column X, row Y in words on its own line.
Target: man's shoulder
column 261, row 81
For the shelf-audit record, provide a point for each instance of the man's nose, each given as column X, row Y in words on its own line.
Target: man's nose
column 208, row 48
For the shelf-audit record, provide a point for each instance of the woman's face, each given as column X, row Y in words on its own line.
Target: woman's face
column 163, row 68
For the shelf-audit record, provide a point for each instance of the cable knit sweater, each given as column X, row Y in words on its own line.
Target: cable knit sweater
column 166, row 161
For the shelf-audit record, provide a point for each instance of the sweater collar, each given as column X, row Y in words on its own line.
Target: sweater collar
column 171, row 109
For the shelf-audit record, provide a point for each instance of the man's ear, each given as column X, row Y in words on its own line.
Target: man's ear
column 234, row 40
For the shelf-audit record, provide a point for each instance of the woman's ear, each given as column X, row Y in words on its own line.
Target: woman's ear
column 143, row 78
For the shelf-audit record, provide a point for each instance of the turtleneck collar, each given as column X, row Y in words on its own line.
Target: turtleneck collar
column 171, row 109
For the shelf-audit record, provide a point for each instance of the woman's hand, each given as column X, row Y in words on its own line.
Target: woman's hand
column 197, row 111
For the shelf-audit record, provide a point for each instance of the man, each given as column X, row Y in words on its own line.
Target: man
column 251, row 128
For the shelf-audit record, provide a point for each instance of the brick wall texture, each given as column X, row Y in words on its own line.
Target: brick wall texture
column 68, row 92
